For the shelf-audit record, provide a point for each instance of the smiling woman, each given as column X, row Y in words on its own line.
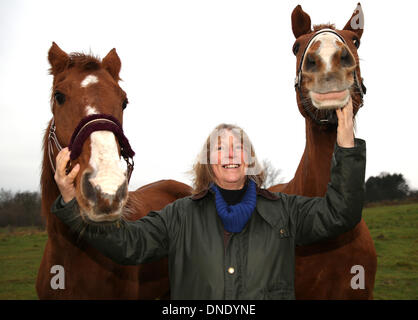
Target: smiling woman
column 227, row 158
column 231, row 239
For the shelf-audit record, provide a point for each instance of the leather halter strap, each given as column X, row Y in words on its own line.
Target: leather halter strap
column 52, row 138
column 88, row 125
column 298, row 79
column 358, row 84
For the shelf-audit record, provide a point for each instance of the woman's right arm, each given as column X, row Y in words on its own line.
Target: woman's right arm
column 126, row 242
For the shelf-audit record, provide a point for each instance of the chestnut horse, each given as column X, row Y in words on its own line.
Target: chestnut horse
column 86, row 96
column 328, row 73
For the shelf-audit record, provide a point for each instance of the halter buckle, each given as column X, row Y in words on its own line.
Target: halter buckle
column 297, row 83
column 130, row 167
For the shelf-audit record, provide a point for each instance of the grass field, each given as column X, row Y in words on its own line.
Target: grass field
column 21, row 252
column 393, row 228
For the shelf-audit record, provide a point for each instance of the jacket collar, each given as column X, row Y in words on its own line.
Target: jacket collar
column 260, row 192
column 268, row 213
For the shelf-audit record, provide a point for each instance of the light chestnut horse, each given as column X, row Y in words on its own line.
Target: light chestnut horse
column 327, row 74
column 87, row 107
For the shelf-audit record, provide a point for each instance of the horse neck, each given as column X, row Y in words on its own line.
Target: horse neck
column 313, row 173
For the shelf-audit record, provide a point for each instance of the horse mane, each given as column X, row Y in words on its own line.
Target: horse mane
column 86, row 62
column 318, row 27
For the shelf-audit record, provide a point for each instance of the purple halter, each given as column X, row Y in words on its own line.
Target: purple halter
column 88, row 125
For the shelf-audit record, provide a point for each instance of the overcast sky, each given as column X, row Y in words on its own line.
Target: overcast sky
column 190, row 65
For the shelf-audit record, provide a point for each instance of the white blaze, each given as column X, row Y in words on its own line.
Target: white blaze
column 104, row 160
column 327, row 48
column 91, row 110
column 90, row 79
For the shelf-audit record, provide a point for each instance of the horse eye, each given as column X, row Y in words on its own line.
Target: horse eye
column 295, row 48
column 59, row 97
column 125, row 104
column 356, row 42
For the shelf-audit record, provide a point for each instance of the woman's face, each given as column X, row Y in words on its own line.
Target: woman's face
column 228, row 161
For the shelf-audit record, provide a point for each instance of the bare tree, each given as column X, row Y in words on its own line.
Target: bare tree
column 20, row 209
column 272, row 175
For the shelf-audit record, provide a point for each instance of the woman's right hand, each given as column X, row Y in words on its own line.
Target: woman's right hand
column 65, row 182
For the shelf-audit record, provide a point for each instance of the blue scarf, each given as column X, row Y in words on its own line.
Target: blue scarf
column 235, row 217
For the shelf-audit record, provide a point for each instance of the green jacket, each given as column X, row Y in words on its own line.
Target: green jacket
column 257, row 263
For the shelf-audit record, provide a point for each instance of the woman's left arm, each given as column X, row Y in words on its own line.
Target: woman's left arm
column 340, row 209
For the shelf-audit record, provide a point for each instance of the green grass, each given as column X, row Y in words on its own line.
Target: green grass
column 393, row 228
column 21, row 252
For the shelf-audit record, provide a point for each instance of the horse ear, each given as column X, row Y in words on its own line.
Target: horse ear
column 301, row 22
column 58, row 59
column 112, row 64
column 356, row 22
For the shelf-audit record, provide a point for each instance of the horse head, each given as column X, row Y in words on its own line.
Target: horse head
column 87, row 105
column 328, row 69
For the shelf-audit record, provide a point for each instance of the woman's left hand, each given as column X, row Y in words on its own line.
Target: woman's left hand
column 345, row 130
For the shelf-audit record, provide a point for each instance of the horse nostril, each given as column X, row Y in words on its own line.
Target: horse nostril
column 122, row 191
column 310, row 59
column 310, row 64
column 344, row 53
column 88, row 189
column 346, row 59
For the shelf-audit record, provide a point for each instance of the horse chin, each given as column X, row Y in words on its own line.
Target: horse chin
column 112, row 217
column 92, row 214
